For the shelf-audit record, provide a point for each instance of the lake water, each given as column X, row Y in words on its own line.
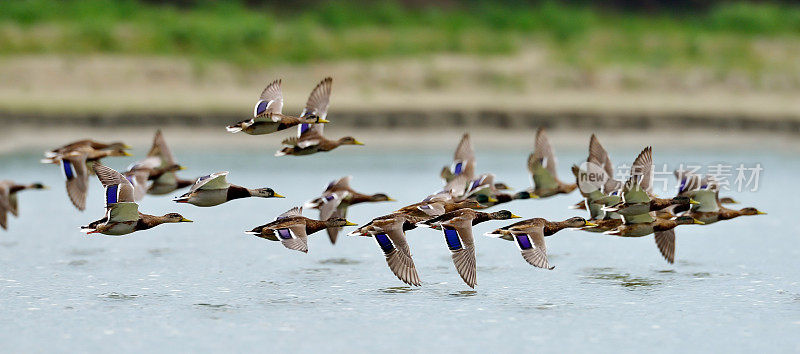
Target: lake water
column 207, row 286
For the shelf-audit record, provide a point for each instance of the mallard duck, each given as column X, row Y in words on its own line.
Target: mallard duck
column 457, row 227
column 292, row 229
column 267, row 116
column 9, row 202
column 161, row 168
column 529, row 236
column 434, row 206
column 709, row 209
column 389, row 232
column 77, row 177
column 214, row 189
column 655, row 204
column 486, row 191
column 93, row 150
column 53, row 154
column 595, row 180
column 310, row 138
column 122, row 213
column 335, row 200
column 663, row 230
column 76, row 160
column 542, row 166
column 463, row 162
column 152, row 168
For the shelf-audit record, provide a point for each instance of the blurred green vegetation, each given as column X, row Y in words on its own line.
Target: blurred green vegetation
column 728, row 35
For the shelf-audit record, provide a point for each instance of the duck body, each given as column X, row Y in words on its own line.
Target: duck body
column 292, row 229
column 722, row 214
column 269, row 123
column 270, row 231
column 321, row 144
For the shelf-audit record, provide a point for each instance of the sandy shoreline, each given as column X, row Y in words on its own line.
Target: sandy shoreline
column 27, row 139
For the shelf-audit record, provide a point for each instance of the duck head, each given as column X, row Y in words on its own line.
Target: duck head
column 380, row 197
column 118, row 152
column 313, row 119
column 349, row 140
column 501, row 186
column 265, row 193
column 503, row 215
column 683, row 200
column 686, row 220
column 578, row 221
column 338, row 222
column 751, row 211
column 174, row 218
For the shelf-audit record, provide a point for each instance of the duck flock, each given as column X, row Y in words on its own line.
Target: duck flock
column 626, row 208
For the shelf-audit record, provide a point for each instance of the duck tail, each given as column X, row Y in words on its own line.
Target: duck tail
column 497, row 233
column 283, row 152
column 234, row 128
column 181, row 199
column 88, row 230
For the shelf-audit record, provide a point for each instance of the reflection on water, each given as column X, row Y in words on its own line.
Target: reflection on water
column 623, row 279
column 85, row 251
column 217, row 307
column 198, row 282
column 464, row 293
column 342, row 261
column 158, row 252
column 118, row 296
column 397, row 290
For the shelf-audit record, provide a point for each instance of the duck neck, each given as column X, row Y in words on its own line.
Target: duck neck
column 149, row 221
column 726, row 214
column 551, row 227
column 566, row 187
column 664, row 224
column 481, row 217
column 313, row 226
column 237, row 192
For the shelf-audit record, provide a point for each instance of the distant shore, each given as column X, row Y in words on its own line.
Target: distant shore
column 35, row 139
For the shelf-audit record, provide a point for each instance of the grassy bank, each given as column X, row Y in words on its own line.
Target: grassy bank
column 731, row 36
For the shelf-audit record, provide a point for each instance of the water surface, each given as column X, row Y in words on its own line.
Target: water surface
column 207, row 286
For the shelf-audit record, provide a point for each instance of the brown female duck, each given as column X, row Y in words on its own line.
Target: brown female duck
column 310, row 138
column 122, row 213
column 9, row 202
column 529, row 236
column 542, row 166
column 457, row 228
column 292, row 229
column 389, row 232
column 335, row 200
